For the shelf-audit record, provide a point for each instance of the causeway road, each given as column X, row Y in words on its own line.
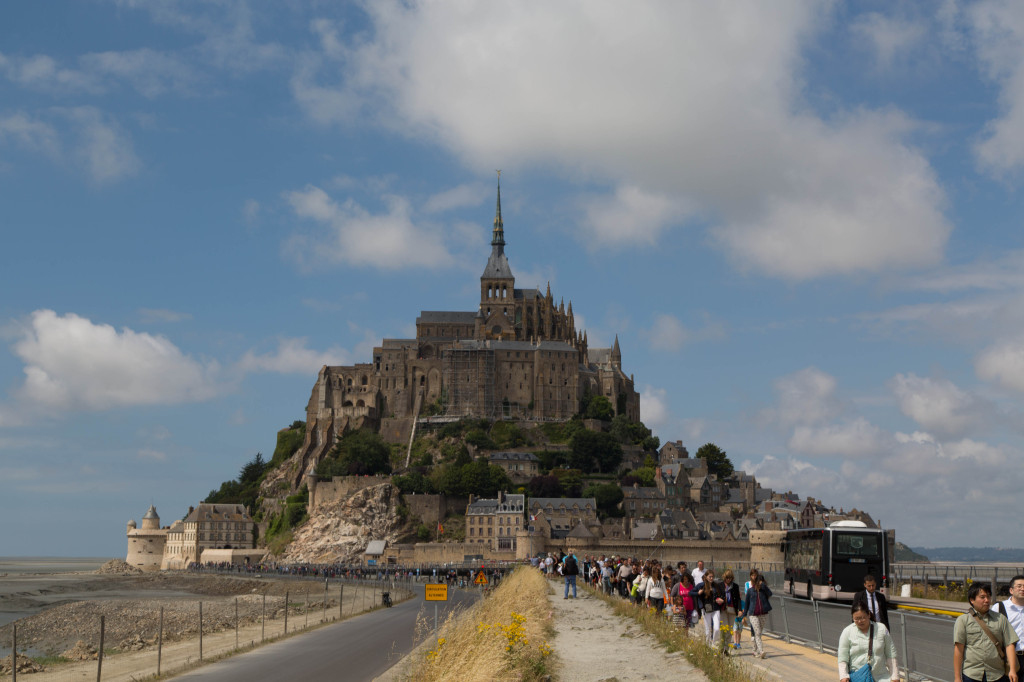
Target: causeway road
column 359, row 648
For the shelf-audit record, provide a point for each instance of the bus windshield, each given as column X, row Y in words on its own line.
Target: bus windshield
column 858, row 545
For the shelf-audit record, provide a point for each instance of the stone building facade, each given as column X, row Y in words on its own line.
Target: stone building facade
column 495, row 523
column 208, row 526
column 518, row 355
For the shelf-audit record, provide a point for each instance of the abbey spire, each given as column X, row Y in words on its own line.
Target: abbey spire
column 498, row 234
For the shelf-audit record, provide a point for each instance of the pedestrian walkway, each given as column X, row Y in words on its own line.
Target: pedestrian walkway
column 594, row 644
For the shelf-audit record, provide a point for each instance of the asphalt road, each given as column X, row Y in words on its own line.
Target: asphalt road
column 359, row 648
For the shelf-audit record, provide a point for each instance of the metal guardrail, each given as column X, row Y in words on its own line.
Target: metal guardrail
column 923, row 642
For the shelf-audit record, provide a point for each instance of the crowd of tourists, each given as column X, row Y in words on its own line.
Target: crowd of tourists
column 692, row 599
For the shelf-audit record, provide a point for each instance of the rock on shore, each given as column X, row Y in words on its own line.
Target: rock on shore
column 118, row 566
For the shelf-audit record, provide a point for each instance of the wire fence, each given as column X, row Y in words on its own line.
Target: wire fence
column 169, row 635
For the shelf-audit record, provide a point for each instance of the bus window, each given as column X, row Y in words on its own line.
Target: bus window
column 849, row 545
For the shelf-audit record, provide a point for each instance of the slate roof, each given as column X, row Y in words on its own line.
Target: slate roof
column 218, row 512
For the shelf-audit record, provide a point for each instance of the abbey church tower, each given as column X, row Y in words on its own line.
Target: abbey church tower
column 517, row 356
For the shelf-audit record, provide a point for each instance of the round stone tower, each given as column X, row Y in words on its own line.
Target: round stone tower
column 146, row 544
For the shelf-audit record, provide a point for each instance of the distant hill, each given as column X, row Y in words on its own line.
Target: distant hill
column 978, row 555
column 904, row 553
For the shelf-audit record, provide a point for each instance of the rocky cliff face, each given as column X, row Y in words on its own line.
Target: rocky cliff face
column 340, row 531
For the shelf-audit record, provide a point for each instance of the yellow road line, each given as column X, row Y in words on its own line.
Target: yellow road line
column 907, row 607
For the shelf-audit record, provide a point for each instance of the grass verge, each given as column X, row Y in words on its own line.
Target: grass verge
column 503, row 637
column 717, row 665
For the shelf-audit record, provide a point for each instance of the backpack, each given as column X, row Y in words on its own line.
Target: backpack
column 570, row 567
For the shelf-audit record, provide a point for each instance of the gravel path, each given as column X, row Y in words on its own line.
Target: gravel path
column 594, row 645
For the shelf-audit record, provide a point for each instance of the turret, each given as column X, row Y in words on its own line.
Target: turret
column 616, row 354
column 151, row 520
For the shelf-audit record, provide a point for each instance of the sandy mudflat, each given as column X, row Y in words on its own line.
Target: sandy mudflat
column 55, row 611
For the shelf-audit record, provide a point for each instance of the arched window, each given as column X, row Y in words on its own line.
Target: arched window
column 363, row 380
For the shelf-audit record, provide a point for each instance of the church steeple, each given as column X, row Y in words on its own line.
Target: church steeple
column 498, row 235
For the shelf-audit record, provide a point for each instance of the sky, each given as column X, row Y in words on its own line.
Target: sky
column 801, row 219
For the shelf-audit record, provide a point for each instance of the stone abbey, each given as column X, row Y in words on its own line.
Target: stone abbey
column 517, row 356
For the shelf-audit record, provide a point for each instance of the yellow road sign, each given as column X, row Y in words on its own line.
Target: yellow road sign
column 436, row 592
column 481, row 579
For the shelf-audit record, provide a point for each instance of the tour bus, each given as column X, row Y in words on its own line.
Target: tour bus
column 830, row 563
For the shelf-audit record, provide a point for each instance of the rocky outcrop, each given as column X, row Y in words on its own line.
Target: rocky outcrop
column 340, row 531
column 118, row 567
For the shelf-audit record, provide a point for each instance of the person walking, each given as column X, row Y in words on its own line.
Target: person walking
column 1013, row 609
column 755, row 608
column 878, row 606
column 655, row 591
column 866, row 643
column 708, row 600
column 731, row 608
column 570, row 569
column 984, row 644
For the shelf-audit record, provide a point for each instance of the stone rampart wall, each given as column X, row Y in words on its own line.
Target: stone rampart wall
column 433, row 508
column 341, row 488
column 396, row 430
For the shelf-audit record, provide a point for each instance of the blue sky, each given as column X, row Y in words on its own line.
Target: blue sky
column 802, row 220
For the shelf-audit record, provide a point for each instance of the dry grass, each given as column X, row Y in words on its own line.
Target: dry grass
column 503, row 637
column 715, row 663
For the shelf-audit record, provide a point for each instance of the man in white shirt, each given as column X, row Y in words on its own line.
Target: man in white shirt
column 698, row 573
column 1013, row 609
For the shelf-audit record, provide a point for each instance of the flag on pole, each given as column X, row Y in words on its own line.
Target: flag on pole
column 440, row 528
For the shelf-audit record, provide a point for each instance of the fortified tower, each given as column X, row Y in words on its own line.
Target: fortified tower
column 146, row 544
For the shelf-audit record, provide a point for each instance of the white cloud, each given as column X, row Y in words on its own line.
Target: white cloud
column 456, row 197
column 654, row 412
column 856, row 438
column 151, row 454
column 73, row 364
column 938, row 405
column 998, row 32
column 1002, row 363
column 631, row 215
column 669, row 334
column 292, row 357
column 105, row 150
column 685, row 118
column 355, row 236
column 808, row 396
column 31, row 132
column 251, row 211
column 889, row 36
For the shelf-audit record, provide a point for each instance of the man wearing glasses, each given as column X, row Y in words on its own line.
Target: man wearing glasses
column 1013, row 609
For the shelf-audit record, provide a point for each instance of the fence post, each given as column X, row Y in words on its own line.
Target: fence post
column 995, row 583
column 99, row 658
column 236, row 622
column 14, row 652
column 286, row 612
column 785, row 621
column 200, row 631
column 160, row 642
column 263, row 619
column 817, row 624
column 341, row 601
column 903, row 637
column 324, row 618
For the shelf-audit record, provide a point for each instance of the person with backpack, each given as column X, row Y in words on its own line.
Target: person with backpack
column 570, row 569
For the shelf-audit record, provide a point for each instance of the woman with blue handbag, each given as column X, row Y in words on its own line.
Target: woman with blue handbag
column 866, row 651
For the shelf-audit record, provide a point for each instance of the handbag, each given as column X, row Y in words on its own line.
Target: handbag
column 863, row 673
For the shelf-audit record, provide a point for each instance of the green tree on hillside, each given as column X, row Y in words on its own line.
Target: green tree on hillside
column 608, row 496
column 591, row 451
column 357, row 453
column 718, row 462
